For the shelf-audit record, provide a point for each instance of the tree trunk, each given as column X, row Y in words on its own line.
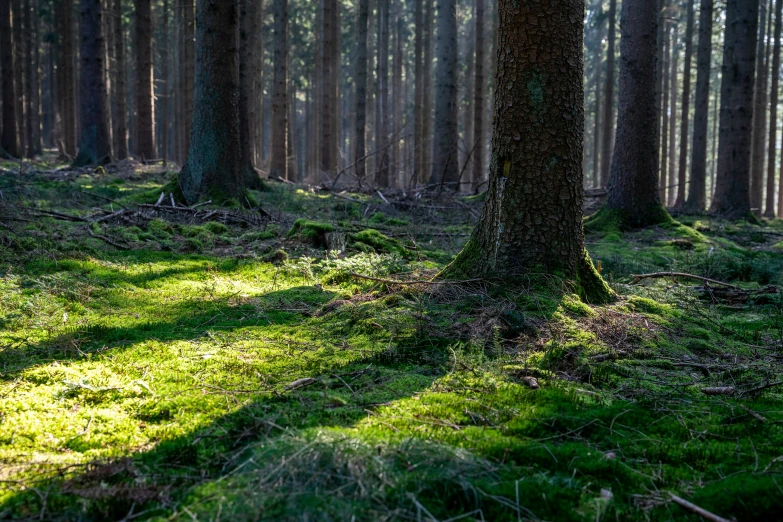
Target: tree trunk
column 213, row 166
column 187, row 70
column 633, row 198
column 145, row 117
column 479, row 101
column 20, row 63
column 759, row 117
column 659, row 73
column 361, row 89
column 95, row 144
column 598, row 68
column 769, row 207
column 732, row 191
column 329, row 73
column 397, row 110
column 418, row 104
column 426, row 128
column 382, row 101
column 165, row 84
column 671, row 183
column 682, row 172
column 663, row 159
column 697, row 196
column 8, row 140
column 532, row 218
column 28, row 81
column 247, row 93
column 468, row 116
column 279, row 164
column 121, row 121
column 608, row 133
column 445, row 171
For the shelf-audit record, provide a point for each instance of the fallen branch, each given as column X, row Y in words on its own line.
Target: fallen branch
column 639, row 277
column 693, row 508
column 724, row 390
column 761, row 388
column 107, row 240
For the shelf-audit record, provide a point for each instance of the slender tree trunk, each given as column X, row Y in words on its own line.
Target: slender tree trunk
column 361, row 89
column 682, row 172
column 732, row 191
column 598, row 68
column 382, row 101
column 445, row 170
column 145, row 116
column 769, row 207
column 663, row 160
column 479, row 101
column 20, row 64
column 697, row 196
column 468, row 121
column 659, row 74
column 396, row 112
column 258, row 87
column 247, row 94
column 291, row 129
column 8, row 140
column 188, row 68
column 671, row 183
column 121, row 93
column 213, row 167
column 759, row 117
column 418, row 104
column 609, row 121
column 165, row 83
column 279, row 164
column 329, row 74
column 28, row 80
column 532, row 218
column 426, row 130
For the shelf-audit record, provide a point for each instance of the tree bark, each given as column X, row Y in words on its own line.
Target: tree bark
column 608, row 134
column 633, row 198
column 672, row 155
column 279, row 163
column 121, row 121
column 328, row 86
column 8, row 140
column 479, row 87
column 213, row 166
column 532, row 219
column 247, row 93
column 426, row 129
column 697, row 196
column 418, row 104
column 759, row 117
column 95, row 144
column 361, row 89
column 598, row 68
column 382, row 102
column 145, row 116
column 682, row 172
column 28, row 80
column 165, row 84
column 663, row 160
column 769, row 207
column 732, row 191
column 445, row 171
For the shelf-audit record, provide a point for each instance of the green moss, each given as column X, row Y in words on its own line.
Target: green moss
column 609, row 220
column 313, row 232
column 216, row 228
column 590, row 286
column 379, row 243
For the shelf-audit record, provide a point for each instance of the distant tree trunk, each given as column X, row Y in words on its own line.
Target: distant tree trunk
column 187, row 55
column 418, row 104
column 608, row 131
column 291, row 128
column 213, row 167
column 663, row 160
column 32, row 79
column 397, row 109
column 659, row 73
column 165, row 84
column 633, row 186
column 732, row 191
column 8, row 140
column 532, row 218
column 769, row 207
column 671, row 183
column 682, row 172
column 247, row 94
column 20, row 63
column 121, row 93
column 145, row 117
column 426, row 127
column 759, row 117
column 95, row 144
column 445, row 171
column 259, row 106
column 29, row 85
column 697, row 196
column 361, row 89
column 382, row 102
column 598, row 68
column 468, row 116
column 479, row 97
column 279, row 164
column 329, row 73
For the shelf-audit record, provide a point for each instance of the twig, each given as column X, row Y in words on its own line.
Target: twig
column 639, row 277
column 760, row 388
column 693, row 508
column 104, row 198
column 107, row 240
column 753, row 414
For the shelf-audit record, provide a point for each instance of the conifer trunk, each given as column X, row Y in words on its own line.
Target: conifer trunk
column 279, row 165
column 445, row 171
column 8, row 140
column 759, row 116
column 608, row 133
column 361, row 90
column 120, row 122
column 769, row 207
column 682, row 172
column 145, row 115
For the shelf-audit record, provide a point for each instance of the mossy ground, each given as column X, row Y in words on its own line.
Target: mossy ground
column 161, row 383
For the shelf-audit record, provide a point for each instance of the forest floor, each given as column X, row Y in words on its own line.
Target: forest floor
column 162, row 363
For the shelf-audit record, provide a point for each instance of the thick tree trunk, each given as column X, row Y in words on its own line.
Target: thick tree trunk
column 479, row 88
column 633, row 186
column 145, row 116
column 279, row 164
column 361, row 89
column 682, row 171
column 187, row 70
column 445, row 171
column 121, row 121
column 532, row 218
column 608, row 134
column 759, row 116
column 769, row 207
column 247, row 93
column 213, row 166
column 95, row 144
column 9, row 139
column 697, row 196
column 732, row 191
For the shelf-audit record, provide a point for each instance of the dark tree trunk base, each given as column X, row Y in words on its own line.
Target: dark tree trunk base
column 609, row 219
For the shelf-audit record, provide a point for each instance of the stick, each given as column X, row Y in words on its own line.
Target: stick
column 639, row 277
column 760, row 388
column 419, row 282
column 104, row 198
column 106, row 240
column 693, row 508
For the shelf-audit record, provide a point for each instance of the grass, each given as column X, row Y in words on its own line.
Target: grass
column 256, row 379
